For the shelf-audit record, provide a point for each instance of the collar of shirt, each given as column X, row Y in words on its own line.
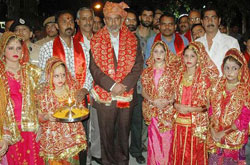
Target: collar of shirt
column 150, row 34
column 64, row 43
column 172, row 41
column 115, row 44
column 86, row 42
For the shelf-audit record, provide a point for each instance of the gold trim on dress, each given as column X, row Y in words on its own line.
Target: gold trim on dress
column 183, row 121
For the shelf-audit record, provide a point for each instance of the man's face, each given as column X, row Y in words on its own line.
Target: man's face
column 97, row 24
column 131, row 21
column 85, row 21
column 156, row 21
column 223, row 29
column 24, row 32
column 183, row 25
column 167, row 26
column 197, row 32
column 146, row 18
column 51, row 29
column 66, row 25
column 194, row 17
column 8, row 24
column 113, row 22
column 211, row 21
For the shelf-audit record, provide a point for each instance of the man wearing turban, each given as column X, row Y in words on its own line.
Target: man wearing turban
column 116, row 63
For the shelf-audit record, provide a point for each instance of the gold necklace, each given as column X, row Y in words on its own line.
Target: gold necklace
column 62, row 94
column 14, row 71
column 187, row 79
column 231, row 86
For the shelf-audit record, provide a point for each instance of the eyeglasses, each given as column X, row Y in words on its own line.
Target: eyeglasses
column 196, row 19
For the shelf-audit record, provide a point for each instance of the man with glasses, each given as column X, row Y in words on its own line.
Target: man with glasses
column 216, row 43
column 194, row 17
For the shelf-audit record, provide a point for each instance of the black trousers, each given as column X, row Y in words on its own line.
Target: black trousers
column 114, row 124
column 136, row 128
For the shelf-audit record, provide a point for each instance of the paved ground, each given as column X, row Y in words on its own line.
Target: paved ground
column 132, row 160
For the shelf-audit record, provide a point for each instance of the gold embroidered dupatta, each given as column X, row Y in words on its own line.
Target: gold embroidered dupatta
column 165, row 88
column 205, row 74
column 225, row 112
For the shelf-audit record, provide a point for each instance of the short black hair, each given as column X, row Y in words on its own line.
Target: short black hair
column 208, row 8
column 194, row 25
column 59, row 13
column 147, row 9
column 166, row 14
column 129, row 10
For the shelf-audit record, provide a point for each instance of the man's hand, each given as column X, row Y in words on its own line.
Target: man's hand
column 80, row 95
column 118, row 89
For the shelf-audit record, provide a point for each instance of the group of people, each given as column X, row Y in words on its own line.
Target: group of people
column 181, row 95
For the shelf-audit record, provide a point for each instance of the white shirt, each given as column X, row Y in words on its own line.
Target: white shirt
column 86, row 43
column 221, row 44
column 46, row 52
column 115, row 44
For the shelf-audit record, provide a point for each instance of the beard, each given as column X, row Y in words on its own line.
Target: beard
column 69, row 31
column 113, row 29
column 132, row 28
column 146, row 23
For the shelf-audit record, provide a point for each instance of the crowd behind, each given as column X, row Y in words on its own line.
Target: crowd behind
column 178, row 88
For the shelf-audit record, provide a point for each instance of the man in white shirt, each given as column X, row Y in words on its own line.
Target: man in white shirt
column 216, row 43
column 85, row 20
column 65, row 48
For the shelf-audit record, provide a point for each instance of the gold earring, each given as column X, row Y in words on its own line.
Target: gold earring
column 239, row 75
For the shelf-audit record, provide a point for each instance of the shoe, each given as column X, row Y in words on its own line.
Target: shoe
column 97, row 160
column 140, row 159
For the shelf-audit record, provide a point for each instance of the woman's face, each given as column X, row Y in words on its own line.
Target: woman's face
column 190, row 58
column 13, row 50
column 159, row 54
column 59, row 76
column 231, row 71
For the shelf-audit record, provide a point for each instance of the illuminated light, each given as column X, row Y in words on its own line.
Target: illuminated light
column 98, row 6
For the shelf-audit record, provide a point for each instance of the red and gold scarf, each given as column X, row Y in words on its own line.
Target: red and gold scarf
column 227, row 106
column 103, row 54
column 205, row 74
column 79, row 58
column 165, row 88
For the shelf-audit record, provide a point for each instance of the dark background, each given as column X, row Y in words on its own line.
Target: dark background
column 232, row 11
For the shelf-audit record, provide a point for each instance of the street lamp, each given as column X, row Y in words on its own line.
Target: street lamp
column 97, row 5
